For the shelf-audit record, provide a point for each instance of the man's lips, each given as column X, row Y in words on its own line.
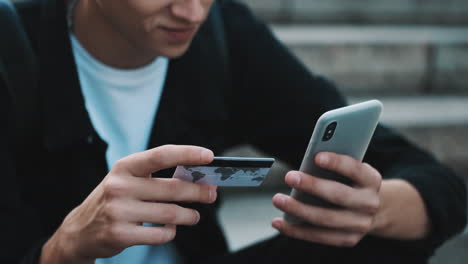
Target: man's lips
column 179, row 33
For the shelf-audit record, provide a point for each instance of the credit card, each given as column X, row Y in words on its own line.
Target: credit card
column 228, row 171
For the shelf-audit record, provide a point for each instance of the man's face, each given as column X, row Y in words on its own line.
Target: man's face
column 159, row 27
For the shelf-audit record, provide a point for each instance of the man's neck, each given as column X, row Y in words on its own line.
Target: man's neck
column 102, row 41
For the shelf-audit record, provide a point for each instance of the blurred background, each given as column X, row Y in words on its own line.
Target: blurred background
column 410, row 54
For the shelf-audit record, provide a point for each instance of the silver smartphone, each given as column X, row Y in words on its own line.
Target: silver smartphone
column 348, row 131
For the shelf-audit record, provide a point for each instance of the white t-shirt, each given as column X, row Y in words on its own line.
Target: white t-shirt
column 122, row 105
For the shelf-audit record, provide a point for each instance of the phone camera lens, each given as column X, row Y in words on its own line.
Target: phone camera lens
column 329, row 131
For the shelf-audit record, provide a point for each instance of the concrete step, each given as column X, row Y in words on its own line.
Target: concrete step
column 435, row 123
column 384, row 60
column 403, row 112
column 438, row 124
column 449, row 12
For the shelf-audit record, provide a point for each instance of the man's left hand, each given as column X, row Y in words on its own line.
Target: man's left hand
column 345, row 226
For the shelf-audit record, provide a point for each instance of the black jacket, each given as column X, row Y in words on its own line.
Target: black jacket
column 271, row 103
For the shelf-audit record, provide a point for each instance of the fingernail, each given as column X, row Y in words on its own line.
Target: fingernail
column 207, row 155
column 198, row 217
column 213, row 194
column 281, row 199
column 276, row 223
column 295, row 178
column 323, row 159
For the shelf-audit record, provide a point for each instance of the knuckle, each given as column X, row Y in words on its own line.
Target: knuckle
column 378, row 181
column 120, row 165
column 203, row 193
column 193, row 155
column 163, row 154
column 102, row 239
column 156, row 157
column 322, row 219
column 359, row 170
column 169, row 215
column 372, row 206
column 116, row 237
column 310, row 183
column 112, row 212
column 162, row 149
column 166, row 146
column 334, row 161
column 166, row 236
column 338, row 198
column 375, row 174
column 106, row 241
column 171, row 188
column 298, row 234
column 290, row 231
column 363, row 226
column 114, row 187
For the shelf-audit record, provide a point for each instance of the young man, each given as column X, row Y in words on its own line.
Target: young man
column 120, row 77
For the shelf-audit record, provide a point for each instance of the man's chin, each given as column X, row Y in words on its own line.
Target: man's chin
column 174, row 52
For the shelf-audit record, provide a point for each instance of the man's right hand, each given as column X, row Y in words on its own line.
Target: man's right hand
column 111, row 217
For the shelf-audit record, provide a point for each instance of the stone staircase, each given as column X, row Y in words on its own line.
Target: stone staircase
column 448, row 12
column 410, row 54
column 384, row 60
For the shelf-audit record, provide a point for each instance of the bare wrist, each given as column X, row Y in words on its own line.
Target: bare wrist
column 57, row 251
column 402, row 214
column 381, row 220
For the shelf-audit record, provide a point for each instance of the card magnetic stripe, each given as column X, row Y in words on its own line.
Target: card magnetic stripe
column 258, row 163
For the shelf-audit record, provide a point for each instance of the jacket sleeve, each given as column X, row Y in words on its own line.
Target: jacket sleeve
column 277, row 102
column 22, row 239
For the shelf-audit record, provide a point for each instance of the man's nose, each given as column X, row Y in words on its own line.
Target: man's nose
column 192, row 11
